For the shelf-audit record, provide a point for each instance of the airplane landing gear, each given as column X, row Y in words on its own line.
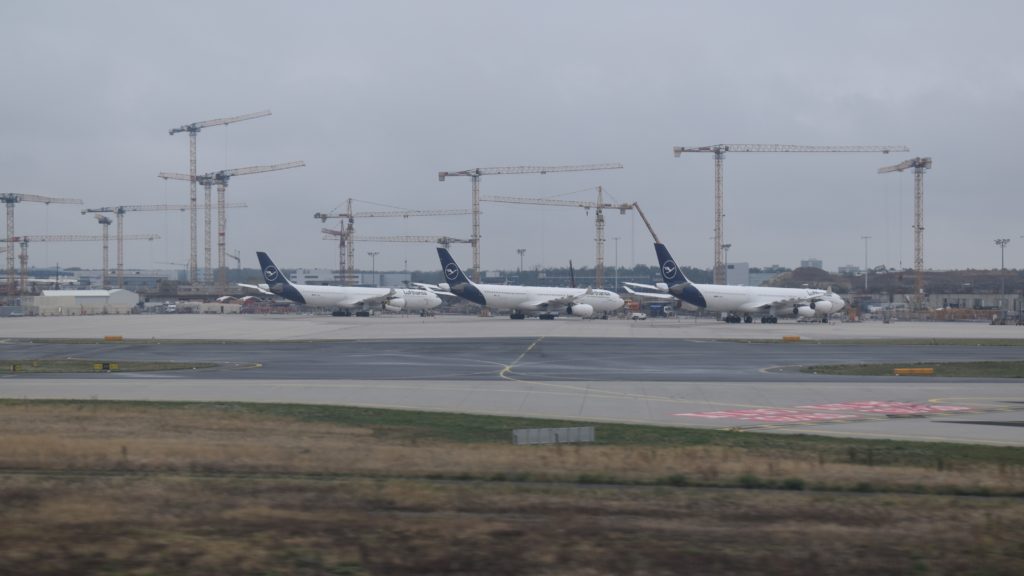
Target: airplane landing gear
column 516, row 315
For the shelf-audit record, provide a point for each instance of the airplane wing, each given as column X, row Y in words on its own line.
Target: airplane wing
column 778, row 303
column 368, row 299
column 433, row 288
column 655, row 295
column 261, row 288
column 556, row 302
column 653, row 287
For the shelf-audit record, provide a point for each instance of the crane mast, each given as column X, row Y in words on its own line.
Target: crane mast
column 192, row 130
column 719, row 150
column 599, row 222
column 221, row 178
column 105, row 222
column 475, row 173
column 919, row 165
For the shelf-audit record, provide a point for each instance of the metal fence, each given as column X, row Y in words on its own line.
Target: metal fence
column 553, row 435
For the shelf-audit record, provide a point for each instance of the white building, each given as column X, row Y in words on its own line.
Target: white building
column 81, row 302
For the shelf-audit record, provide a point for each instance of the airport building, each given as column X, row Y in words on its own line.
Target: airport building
column 81, row 302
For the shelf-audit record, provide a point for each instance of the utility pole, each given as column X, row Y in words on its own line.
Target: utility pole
column 1002, row 242
column 373, row 266
column 725, row 252
column 865, row 239
column 616, row 238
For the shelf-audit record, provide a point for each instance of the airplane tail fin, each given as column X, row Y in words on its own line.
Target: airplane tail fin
column 670, row 271
column 452, row 273
column 457, row 281
column 277, row 282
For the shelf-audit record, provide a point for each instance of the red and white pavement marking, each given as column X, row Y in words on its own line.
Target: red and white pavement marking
column 828, row 412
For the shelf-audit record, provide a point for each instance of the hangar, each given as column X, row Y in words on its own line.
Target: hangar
column 81, row 302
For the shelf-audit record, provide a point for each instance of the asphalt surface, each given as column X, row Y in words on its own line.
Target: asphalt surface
column 680, row 381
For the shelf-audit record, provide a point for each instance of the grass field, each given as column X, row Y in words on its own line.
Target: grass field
column 990, row 369
column 169, row 488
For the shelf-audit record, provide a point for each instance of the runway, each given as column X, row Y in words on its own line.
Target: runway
column 742, row 383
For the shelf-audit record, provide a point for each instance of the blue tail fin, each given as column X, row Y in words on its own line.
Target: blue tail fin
column 452, row 273
column 678, row 284
column 670, row 271
column 276, row 280
column 457, row 281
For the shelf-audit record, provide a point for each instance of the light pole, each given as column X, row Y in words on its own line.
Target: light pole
column 1002, row 242
column 725, row 263
column 521, row 251
column 616, row 238
column 373, row 266
column 865, row 239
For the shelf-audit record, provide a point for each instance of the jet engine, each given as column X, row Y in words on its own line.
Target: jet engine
column 395, row 305
column 581, row 310
column 821, row 307
column 444, row 287
column 804, row 310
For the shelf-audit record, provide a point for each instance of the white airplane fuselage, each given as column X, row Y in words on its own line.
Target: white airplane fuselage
column 343, row 297
column 410, row 299
column 740, row 300
column 534, row 298
column 751, row 299
column 582, row 302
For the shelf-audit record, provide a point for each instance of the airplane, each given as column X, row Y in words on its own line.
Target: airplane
column 738, row 300
column 343, row 298
column 547, row 302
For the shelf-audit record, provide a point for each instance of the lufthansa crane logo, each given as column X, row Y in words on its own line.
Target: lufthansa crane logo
column 451, row 271
column 669, row 269
column 270, row 273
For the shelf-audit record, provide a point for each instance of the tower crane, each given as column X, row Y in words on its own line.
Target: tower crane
column 24, row 242
column 598, row 207
column 220, row 178
column 919, row 165
column 445, row 241
column 119, row 212
column 346, row 240
column 719, row 151
column 105, row 221
column 10, row 200
column 192, row 130
column 476, row 173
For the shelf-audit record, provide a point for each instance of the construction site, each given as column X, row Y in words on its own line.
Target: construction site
column 915, row 292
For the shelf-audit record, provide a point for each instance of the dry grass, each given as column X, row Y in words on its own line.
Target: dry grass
column 137, row 490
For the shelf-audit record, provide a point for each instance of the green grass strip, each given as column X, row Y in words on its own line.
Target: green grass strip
column 987, row 369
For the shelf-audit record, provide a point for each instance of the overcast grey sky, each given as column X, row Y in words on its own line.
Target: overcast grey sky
column 377, row 97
